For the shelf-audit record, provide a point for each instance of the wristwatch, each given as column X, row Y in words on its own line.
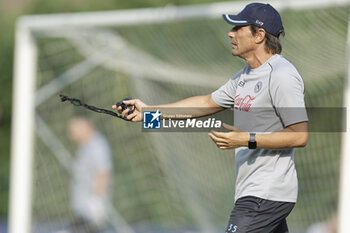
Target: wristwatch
column 252, row 142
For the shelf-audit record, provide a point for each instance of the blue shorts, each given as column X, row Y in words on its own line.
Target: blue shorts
column 256, row 215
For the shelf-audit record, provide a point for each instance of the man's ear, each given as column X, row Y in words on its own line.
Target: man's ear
column 260, row 36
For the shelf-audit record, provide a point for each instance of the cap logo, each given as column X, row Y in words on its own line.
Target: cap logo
column 259, row 22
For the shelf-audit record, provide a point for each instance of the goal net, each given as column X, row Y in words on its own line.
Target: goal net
column 162, row 182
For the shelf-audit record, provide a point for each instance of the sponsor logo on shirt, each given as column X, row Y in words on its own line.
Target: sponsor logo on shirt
column 243, row 103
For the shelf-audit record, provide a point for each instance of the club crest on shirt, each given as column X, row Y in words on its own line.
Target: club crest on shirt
column 257, row 87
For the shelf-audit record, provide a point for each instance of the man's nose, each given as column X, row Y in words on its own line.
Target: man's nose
column 231, row 34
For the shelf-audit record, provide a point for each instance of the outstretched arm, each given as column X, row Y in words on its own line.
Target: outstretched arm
column 201, row 106
column 100, row 183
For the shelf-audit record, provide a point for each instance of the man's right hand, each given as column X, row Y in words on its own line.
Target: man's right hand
column 137, row 114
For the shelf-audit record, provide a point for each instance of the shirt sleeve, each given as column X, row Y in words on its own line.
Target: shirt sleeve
column 287, row 93
column 225, row 95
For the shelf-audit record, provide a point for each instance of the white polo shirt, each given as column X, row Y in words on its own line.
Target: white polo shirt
column 266, row 99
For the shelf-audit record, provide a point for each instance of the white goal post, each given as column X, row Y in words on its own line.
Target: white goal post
column 344, row 202
column 25, row 96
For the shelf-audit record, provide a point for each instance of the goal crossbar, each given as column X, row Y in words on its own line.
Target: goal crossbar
column 160, row 14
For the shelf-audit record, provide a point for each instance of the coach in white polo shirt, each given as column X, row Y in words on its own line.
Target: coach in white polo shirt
column 267, row 96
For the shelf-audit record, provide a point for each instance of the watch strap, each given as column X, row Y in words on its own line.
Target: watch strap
column 252, row 142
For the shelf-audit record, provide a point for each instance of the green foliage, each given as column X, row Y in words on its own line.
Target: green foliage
column 6, row 61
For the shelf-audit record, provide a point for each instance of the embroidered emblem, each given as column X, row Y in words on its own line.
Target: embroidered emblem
column 257, row 87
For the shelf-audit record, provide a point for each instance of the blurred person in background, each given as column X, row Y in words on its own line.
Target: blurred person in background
column 91, row 177
column 328, row 226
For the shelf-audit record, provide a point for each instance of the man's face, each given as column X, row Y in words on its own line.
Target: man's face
column 74, row 133
column 243, row 42
column 78, row 130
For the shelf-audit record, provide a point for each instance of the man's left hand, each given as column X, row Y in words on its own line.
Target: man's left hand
column 230, row 140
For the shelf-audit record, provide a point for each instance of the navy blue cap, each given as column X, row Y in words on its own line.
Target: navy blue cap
column 258, row 14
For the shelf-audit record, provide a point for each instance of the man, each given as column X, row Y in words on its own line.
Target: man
column 267, row 96
column 91, row 181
